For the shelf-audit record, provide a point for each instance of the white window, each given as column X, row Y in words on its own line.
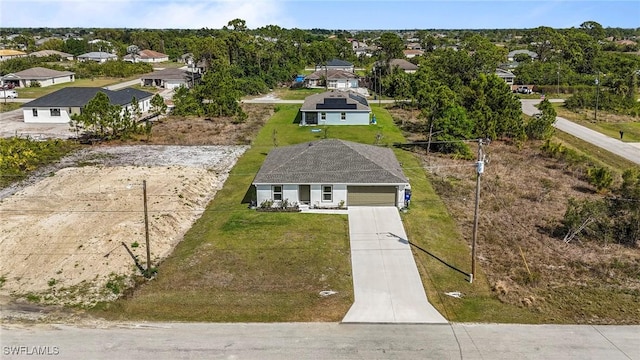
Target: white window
column 343, row 116
column 276, row 191
column 327, row 193
column 55, row 112
column 323, row 116
column 35, row 112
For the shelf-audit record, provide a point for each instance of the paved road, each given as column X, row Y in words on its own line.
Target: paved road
column 622, row 149
column 386, row 283
column 159, row 341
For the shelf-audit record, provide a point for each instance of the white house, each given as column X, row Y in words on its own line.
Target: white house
column 335, row 108
column 6, row 54
column 335, row 79
column 37, row 75
column 97, row 56
column 505, row 75
column 147, row 56
column 57, row 107
column 170, row 78
column 331, row 173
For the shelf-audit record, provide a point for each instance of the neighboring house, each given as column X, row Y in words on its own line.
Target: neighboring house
column 45, row 53
column 402, row 64
column 6, row 54
column 146, row 56
column 412, row 53
column 512, row 54
column 37, row 75
column 335, row 79
column 58, row 106
column 331, row 173
column 336, row 64
column 335, row 108
column 170, row 78
column 97, row 56
column 505, row 75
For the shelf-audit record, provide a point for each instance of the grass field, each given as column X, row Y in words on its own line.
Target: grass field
column 9, row 106
column 239, row 265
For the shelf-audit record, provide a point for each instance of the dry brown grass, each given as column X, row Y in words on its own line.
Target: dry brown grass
column 520, row 249
column 179, row 130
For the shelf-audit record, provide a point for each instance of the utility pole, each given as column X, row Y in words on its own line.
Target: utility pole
column 146, row 227
column 479, row 171
column 595, row 114
column 558, row 87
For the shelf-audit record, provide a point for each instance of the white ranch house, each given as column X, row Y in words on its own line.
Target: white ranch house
column 57, row 107
column 38, row 75
column 331, row 173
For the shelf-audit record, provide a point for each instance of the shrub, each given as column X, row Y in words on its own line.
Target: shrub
column 600, row 177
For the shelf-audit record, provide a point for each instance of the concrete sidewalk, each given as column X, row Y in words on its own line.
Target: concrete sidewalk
column 386, row 284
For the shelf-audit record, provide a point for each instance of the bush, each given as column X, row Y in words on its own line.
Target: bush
column 600, row 177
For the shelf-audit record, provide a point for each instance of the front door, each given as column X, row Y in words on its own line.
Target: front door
column 304, row 194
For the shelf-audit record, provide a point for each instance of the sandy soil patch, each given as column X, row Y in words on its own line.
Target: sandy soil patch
column 62, row 234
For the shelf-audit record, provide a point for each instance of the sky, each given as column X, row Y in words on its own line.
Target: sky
column 308, row 14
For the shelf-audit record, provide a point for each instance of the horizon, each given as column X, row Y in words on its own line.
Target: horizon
column 350, row 15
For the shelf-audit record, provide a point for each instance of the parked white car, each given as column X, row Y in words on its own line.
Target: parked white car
column 8, row 94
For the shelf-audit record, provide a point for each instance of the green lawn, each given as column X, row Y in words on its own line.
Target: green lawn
column 8, row 106
column 296, row 94
column 237, row 264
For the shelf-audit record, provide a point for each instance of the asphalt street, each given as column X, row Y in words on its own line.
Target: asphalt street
column 622, row 149
column 159, row 341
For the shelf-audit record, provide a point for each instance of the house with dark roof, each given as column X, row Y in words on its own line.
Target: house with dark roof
column 334, row 79
column 37, row 75
column 331, row 173
column 146, row 56
column 335, row 108
column 59, row 106
column 335, row 64
column 170, row 78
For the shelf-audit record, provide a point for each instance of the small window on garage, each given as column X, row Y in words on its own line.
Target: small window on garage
column 35, row 112
column 277, row 192
column 55, row 112
column 327, row 193
column 343, row 116
column 323, row 116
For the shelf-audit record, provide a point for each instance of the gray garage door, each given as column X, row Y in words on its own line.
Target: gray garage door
column 371, row 196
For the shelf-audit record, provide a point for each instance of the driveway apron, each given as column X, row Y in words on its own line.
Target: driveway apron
column 386, row 283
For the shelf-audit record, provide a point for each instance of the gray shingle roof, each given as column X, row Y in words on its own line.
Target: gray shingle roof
column 170, row 74
column 80, row 96
column 331, row 74
column 331, row 161
column 338, row 62
column 36, row 73
column 325, row 100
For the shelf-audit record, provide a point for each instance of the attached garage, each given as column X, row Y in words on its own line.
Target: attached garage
column 331, row 173
column 371, row 195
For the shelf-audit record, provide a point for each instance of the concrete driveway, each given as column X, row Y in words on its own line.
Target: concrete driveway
column 386, row 284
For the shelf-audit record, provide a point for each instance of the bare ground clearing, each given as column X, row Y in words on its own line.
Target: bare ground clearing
column 61, row 235
column 523, row 199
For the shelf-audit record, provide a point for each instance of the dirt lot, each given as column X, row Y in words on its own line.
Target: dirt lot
column 62, row 236
column 520, row 248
